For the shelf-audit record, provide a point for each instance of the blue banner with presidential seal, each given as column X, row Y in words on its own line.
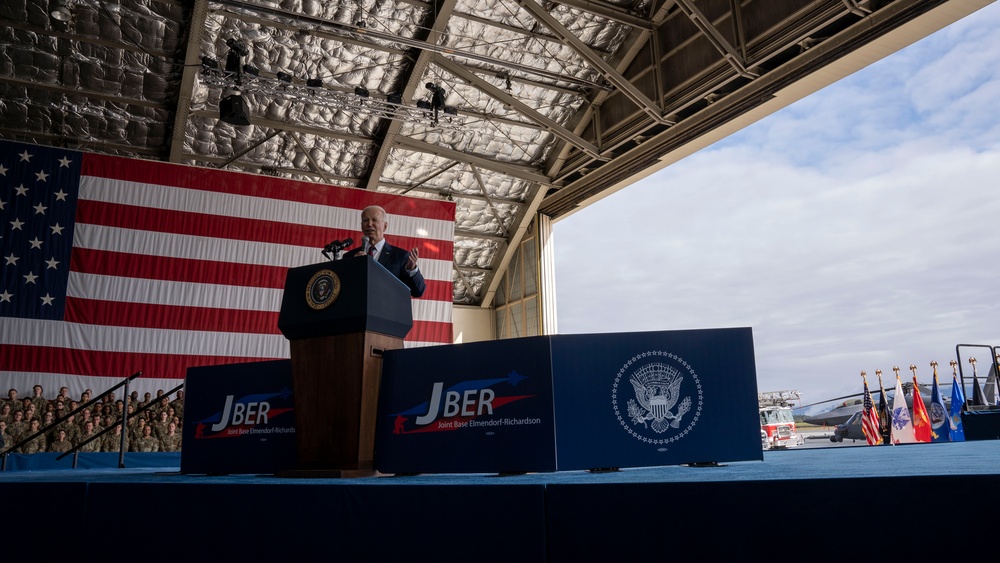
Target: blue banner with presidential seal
column 655, row 398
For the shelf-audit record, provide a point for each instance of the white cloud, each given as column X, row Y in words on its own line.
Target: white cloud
column 853, row 230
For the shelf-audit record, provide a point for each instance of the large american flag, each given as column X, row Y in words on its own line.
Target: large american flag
column 113, row 266
column 870, row 421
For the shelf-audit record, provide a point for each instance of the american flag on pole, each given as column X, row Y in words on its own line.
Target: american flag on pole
column 112, row 266
column 870, row 420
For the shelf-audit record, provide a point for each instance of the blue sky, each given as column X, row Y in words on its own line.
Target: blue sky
column 857, row 229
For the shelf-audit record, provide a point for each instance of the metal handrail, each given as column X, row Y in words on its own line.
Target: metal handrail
column 104, row 431
column 993, row 359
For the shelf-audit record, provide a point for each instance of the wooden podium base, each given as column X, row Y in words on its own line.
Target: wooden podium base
column 336, row 384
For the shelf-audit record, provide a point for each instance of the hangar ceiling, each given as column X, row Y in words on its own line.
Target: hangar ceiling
column 506, row 107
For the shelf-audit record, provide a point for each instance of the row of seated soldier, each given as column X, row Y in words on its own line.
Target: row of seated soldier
column 152, row 428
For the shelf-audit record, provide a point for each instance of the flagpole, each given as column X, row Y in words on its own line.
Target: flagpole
column 921, row 418
column 870, row 419
column 956, row 430
column 902, row 421
column 977, row 392
column 938, row 411
column 883, row 411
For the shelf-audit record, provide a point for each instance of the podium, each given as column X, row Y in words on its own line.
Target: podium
column 339, row 317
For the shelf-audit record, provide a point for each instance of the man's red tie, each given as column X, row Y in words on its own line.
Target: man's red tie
column 371, row 251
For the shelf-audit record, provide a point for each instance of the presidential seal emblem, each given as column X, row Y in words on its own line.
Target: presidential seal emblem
column 323, row 289
column 662, row 399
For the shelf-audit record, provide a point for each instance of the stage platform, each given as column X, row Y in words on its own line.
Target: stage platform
column 907, row 502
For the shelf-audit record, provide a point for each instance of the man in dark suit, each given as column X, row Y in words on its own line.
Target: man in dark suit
column 401, row 263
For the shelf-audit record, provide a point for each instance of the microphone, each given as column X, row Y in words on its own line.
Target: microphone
column 338, row 245
column 365, row 244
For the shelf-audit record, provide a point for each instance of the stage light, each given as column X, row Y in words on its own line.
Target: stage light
column 314, row 82
column 233, row 110
column 424, row 104
column 395, row 98
column 361, row 91
column 248, row 69
column 238, row 46
column 284, row 77
column 209, row 63
column 233, row 62
column 61, row 11
column 450, row 110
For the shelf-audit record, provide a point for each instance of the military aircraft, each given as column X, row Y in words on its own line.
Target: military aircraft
column 852, row 404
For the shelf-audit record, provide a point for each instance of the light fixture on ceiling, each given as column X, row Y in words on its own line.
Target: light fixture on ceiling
column 60, row 11
column 234, row 60
column 233, row 109
column 436, row 103
column 282, row 86
column 361, row 92
column 232, row 106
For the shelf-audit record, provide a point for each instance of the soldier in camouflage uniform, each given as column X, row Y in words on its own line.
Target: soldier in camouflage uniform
column 38, row 400
column 6, row 414
column 62, row 444
column 13, row 401
column 87, row 434
column 178, row 404
column 135, row 431
column 17, row 428
column 85, row 417
column 50, row 430
column 171, row 441
column 148, row 442
column 112, row 441
column 30, row 411
column 6, row 440
column 36, row 444
column 71, row 428
column 160, row 426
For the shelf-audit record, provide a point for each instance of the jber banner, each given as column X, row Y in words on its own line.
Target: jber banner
column 469, row 408
column 570, row 402
column 239, row 418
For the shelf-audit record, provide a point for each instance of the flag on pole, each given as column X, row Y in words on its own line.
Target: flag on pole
column 938, row 412
column 978, row 396
column 902, row 425
column 921, row 420
column 956, row 431
column 884, row 420
column 869, row 420
column 111, row 266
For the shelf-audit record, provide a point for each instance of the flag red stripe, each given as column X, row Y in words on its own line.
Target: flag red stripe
column 438, row 291
column 145, row 315
column 224, row 181
column 431, row 331
column 142, row 315
column 202, row 224
column 109, row 364
column 110, row 263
